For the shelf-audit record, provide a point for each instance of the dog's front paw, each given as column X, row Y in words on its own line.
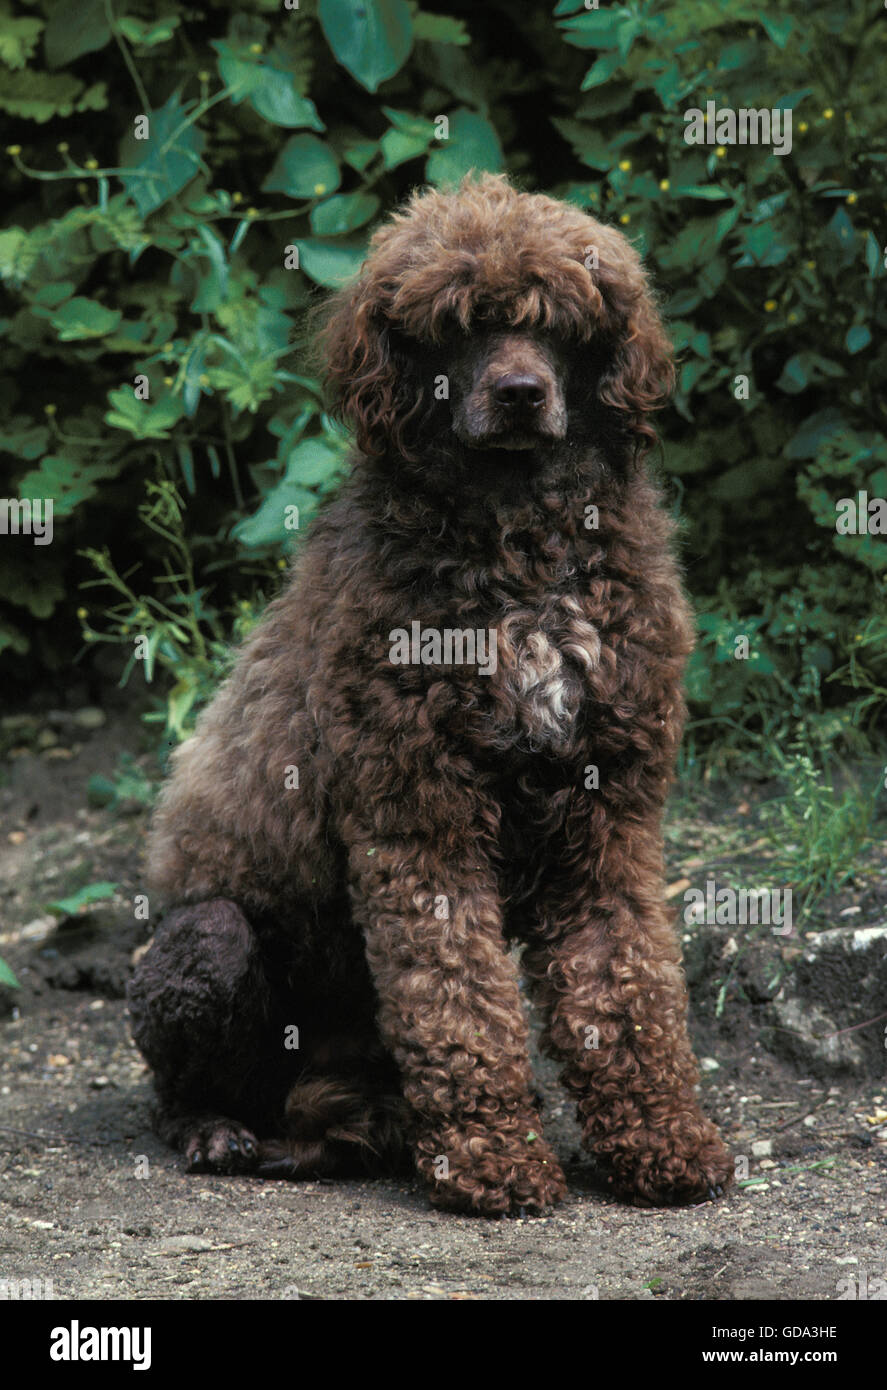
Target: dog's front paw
column 675, row 1177
column 486, row 1172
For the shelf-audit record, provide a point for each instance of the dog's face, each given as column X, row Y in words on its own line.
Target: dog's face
column 508, row 390
column 494, row 391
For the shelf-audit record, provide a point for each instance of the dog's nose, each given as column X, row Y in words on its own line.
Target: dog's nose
column 519, row 389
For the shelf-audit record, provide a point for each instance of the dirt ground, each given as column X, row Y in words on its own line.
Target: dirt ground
column 94, row 1203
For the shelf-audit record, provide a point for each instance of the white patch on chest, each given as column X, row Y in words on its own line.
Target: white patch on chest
column 545, row 657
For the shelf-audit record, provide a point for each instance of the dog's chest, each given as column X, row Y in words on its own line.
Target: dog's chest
column 545, row 657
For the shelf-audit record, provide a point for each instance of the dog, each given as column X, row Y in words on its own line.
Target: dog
column 368, row 815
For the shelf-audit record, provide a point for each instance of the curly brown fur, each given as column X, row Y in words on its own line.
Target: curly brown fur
column 498, row 357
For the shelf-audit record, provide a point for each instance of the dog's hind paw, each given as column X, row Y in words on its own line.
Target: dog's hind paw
column 218, row 1145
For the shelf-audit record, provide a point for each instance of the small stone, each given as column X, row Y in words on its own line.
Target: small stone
column 184, row 1245
column 16, row 837
column 762, row 1148
column 90, row 717
column 98, row 1083
column 709, row 1064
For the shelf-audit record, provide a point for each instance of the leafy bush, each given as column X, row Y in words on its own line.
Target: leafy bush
column 159, row 331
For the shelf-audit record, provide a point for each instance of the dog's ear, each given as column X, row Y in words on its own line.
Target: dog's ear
column 640, row 373
column 371, row 381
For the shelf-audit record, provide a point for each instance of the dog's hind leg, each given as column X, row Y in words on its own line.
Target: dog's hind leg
column 200, row 1004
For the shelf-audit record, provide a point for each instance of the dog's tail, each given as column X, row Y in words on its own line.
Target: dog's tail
column 332, row 1129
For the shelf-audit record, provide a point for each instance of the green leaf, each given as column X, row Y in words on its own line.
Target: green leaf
column 440, row 28
column 24, row 438
column 331, row 263
column 603, row 28
column 68, row 480
column 84, row 318
column 305, row 168
column 6, row 976
column 167, row 161
column 92, row 893
column 472, row 144
column 804, row 369
column 271, row 93
column 18, row 254
column 38, row 96
column 707, row 191
column 73, row 30
column 143, row 419
column 409, row 137
column 146, row 33
column 343, row 213
column 858, row 337
column 601, row 71
column 277, row 100
column 18, row 39
column 371, row 38
column 779, row 27
column 816, row 429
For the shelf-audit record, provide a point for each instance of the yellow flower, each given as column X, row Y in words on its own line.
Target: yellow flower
column 252, row 212
column 13, row 149
column 168, row 380
column 793, row 318
column 203, row 76
column 255, row 48
column 281, row 565
column 168, row 347
column 828, row 113
column 721, row 151
column 62, row 147
column 769, row 305
column 852, row 198
column 50, row 409
column 625, row 219
column 82, row 613
column 665, row 185
column 203, row 379
column 90, row 164
column 803, row 127
column 811, row 265
column 625, row 165
column 237, row 197
column 319, row 190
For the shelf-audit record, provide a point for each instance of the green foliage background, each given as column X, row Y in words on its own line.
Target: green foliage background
column 273, row 128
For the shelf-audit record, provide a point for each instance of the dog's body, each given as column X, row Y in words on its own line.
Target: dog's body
column 368, row 812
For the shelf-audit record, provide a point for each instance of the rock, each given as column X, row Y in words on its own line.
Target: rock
column 90, row 717
column 837, row 983
column 709, row 1064
column 183, row 1245
column 762, row 1148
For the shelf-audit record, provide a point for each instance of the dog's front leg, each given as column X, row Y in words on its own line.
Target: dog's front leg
column 608, row 978
column 450, row 1012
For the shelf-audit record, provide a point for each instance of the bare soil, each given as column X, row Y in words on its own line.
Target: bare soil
column 93, row 1202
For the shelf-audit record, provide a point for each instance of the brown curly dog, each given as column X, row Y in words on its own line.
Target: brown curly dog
column 453, row 731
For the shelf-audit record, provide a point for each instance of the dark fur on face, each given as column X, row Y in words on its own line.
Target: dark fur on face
column 445, row 809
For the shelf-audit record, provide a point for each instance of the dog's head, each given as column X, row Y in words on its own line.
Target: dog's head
column 495, row 320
